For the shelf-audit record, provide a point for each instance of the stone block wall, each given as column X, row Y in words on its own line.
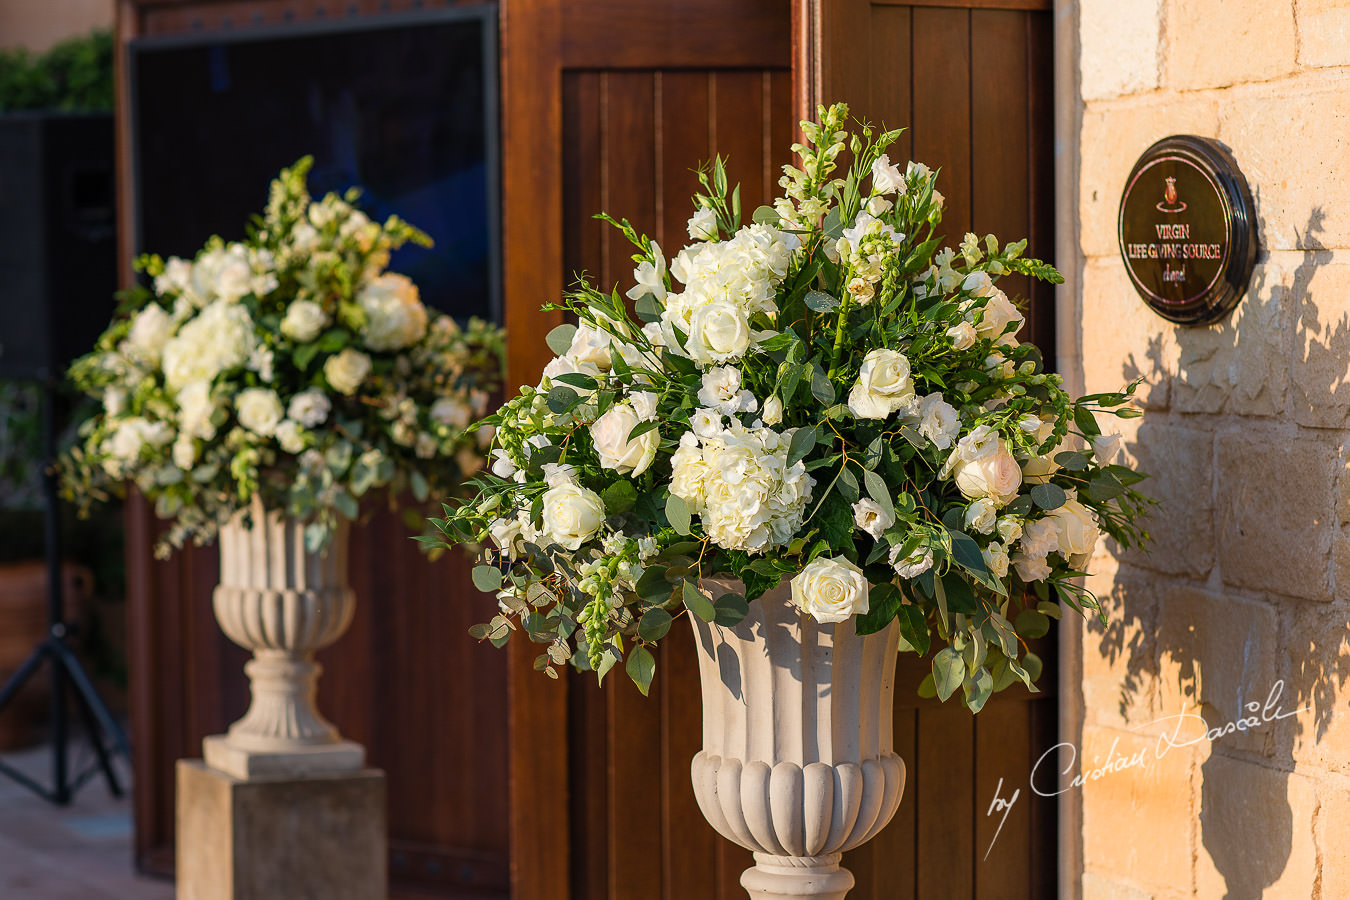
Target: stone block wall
column 1247, row 436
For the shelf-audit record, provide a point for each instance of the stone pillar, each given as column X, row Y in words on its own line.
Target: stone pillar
column 316, row 838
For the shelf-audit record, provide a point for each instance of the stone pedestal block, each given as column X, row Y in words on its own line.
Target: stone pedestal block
column 316, row 838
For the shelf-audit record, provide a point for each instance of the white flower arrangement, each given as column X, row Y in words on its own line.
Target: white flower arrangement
column 290, row 366
column 823, row 395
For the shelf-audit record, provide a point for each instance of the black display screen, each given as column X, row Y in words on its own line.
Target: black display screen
column 403, row 108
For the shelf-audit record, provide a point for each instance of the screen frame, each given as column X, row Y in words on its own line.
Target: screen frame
column 486, row 14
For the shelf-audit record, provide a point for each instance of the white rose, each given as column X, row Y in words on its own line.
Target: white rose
column 259, row 410
column 644, row 404
column 451, row 411
column 1030, row 568
column 506, row 533
column 303, row 322
column 702, row 225
column 886, row 178
column 615, row 449
column 979, row 284
column 869, row 516
column 982, row 466
column 347, row 370
column 290, row 436
column 395, row 316
column 718, row 332
column 149, row 332
column 962, row 335
column 1076, row 528
column 591, row 345
column 920, row 560
column 773, row 410
column 883, row 386
column 1106, row 447
column 572, row 514
column 1009, row 529
column 982, row 515
column 938, row 421
column 309, row 407
column 996, row 559
column 830, row 590
column 1038, row 469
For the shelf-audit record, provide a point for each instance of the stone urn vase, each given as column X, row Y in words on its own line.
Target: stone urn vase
column 283, row 603
column 797, row 762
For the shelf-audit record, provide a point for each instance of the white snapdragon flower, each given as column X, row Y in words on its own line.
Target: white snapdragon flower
column 883, row 387
column 982, row 516
column 572, row 514
column 259, row 410
column 395, row 316
column 304, row 321
column 920, row 560
column 617, row 451
column 870, row 517
column 702, row 225
column 347, row 370
column 938, row 421
column 886, row 178
column 830, row 590
column 650, row 276
column 983, row 466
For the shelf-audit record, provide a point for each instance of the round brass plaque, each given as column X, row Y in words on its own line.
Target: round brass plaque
column 1188, row 230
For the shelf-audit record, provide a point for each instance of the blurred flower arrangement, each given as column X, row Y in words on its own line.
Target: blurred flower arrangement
column 823, row 396
column 291, row 367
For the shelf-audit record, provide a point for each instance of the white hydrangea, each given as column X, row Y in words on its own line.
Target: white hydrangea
column 395, row 316
column 740, row 484
column 219, row 339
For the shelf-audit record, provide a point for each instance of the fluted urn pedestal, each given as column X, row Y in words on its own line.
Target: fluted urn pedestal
column 283, row 603
column 797, row 762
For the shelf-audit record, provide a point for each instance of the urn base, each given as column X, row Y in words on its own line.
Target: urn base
column 295, row 762
column 783, row 877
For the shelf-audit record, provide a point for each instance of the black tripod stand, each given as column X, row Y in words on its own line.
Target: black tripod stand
column 98, row 722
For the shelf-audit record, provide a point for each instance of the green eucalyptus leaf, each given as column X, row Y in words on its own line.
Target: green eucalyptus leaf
column 730, row 609
column 487, row 579
column 1031, row 623
column 560, row 339
column 654, row 624
column 1048, row 496
column 641, row 667
column 949, row 671
column 677, row 513
column 697, row 603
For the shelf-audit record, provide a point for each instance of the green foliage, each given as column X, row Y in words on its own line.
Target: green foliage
column 75, row 75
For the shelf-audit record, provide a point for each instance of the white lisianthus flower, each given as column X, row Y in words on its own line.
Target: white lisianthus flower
column 886, row 178
column 650, row 277
column 572, row 514
column 556, row 474
column 149, row 332
column 996, row 559
column 920, row 560
column 506, row 533
column 452, row 412
column 870, row 517
column 830, row 590
column 878, row 206
column 616, row 450
column 566, row 365
column 259, row 410
column 1040, row 537
column 962, row 335
column 917, row 171
column 309, row 408
column 999, row 313
column 395, row 316
column 705, row 423
column 883, row 387
column 938, row 421
column 718, row 332
column 304, row 321
column 644, row 404
column 982, row 516
column 773, row 410
column 1106, row 447
column 983, row 466
column 196, row 409
column 290, row 436
column 721, row 391
column 347, row 370
column 220, row 338
column 1030, row 568
column 702, row 225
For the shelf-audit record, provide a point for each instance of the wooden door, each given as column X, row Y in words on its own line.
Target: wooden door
column 406, row 681
column 971, row 80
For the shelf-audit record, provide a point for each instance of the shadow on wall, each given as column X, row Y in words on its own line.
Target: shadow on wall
column 1219, row 653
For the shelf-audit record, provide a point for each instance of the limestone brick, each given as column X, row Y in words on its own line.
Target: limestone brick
column 1217, row 655
column 1323, row 32
column 1333, row 834
column 1215, row 43
column 1316, row 651
column 1120, row 659
column 1321, row 359
column 1101, row 887
column 1119, row 47
column 1291, row 144
column 1178, row 461
column 1138, row 820
column 1240, row 364
column 1256, row 832
column 1122, row 339
column 1114, row 135
column 1275, row 514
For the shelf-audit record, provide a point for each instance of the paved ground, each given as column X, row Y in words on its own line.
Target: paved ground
column 78, row 852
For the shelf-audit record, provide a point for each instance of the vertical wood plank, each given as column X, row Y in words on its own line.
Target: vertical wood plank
column 685, row 145
column 944, row 789
column 1041, row 176
column 582, row 197
column 782, row 131
column 1003, row 866
column 739, row 115
column 890, row 85
column 941, row 54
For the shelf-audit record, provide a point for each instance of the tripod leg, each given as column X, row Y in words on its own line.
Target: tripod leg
column 89, row 695
column 95, row 733
column 22, row 674
column 60, row 772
